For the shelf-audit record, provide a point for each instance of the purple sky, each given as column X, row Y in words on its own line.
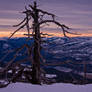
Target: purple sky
column 75, row 13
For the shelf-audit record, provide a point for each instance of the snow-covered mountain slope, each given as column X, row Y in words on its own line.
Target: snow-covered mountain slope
column 56, row 49
column 77, row 50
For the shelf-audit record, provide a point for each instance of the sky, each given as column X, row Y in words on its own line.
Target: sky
column 74, row 13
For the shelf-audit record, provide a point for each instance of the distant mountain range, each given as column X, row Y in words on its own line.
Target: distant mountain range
column 78, row 50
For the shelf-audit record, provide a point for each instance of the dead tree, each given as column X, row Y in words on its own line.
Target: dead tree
column 36, row 16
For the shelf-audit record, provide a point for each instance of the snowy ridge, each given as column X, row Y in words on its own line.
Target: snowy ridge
column 77, row 49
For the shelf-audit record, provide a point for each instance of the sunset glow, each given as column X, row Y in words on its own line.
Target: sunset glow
column 74, row 13
column 58, row 34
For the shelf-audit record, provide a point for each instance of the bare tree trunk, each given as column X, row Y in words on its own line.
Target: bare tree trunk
column 36, row 16
column 36, row 57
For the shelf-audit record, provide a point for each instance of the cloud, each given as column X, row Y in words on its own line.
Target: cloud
column 5, row 26
column 9, row 21
column 74, row 13
column 9, row 12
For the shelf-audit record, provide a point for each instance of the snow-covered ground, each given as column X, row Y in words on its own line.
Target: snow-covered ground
column 62, row 87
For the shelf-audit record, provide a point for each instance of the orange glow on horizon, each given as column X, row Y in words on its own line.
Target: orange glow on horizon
column 7, row 34
column 57, row 34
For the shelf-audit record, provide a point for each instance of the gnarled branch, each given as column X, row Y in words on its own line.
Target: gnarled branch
column 64, row 27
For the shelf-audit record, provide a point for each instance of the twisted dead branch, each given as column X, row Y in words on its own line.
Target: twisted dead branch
column 36, row 16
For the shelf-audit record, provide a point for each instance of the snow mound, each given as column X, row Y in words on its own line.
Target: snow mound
column 20, row 87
